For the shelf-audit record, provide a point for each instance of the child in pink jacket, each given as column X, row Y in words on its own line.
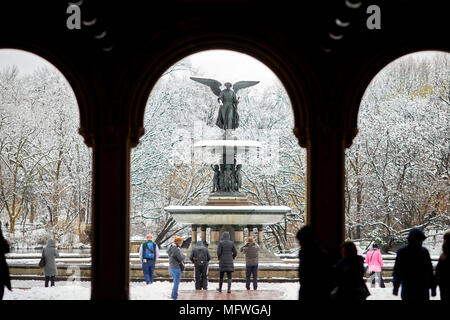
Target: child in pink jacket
column 375, row 261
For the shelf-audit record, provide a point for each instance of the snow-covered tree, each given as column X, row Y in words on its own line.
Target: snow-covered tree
column 398, row 165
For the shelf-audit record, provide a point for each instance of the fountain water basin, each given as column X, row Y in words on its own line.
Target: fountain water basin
column 228, row 215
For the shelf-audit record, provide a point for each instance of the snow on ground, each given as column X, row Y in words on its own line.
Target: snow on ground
column 160, row 290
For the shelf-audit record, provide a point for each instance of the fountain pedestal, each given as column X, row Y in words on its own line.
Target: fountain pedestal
column 227, row 208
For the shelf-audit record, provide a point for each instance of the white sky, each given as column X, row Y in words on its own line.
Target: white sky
column 226, row 65
column 25, row 61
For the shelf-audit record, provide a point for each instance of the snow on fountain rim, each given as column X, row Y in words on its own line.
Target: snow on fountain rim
column 233, row 209
column 228, row 143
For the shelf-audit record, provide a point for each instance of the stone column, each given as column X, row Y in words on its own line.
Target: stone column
column 260, row 234
column 215, row 234
column 238, row 234
column 325, row 185
column 194, row 234
column 203, row 230
column 110, row 213
column 250, row 231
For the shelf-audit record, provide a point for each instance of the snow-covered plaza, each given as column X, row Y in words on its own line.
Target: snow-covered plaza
column 80, row 290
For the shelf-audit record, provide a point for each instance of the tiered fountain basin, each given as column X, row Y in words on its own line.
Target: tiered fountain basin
column 228, row 215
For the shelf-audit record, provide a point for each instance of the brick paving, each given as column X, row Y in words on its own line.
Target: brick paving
column 212, row 294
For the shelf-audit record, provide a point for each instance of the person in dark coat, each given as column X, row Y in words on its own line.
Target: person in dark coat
column 413, row 270
column 5, row 280
column 251, row 251
column 315, row 268
column 226, row 252
column 50, row 253
column 349, row 273
column 443, row 269
column 176, row 265
column 200, row 258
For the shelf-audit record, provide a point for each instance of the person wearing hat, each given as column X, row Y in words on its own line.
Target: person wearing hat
column 148, row 254
column 413, row 270
column 251, row 251
column 374, row 261
column 176, row 265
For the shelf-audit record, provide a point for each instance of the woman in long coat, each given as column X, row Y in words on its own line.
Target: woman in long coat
column 226, row 252
column 50, row 253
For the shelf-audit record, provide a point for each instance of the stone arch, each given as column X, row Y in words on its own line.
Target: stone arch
column 363, row 75
column 76, row 80
column 152, row 67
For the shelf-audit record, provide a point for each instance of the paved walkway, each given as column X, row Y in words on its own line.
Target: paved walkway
column 212, row 294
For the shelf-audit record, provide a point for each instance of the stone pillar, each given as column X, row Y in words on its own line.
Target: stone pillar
column 203, row 235
column 250, row 231
column 238, row 234
column 110, row 213
column 325, row 186
column 260, row 234
column 194, row 234
column 215, row 234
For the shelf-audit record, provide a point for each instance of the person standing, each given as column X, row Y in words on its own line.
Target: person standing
column 413, row 270
column 349, row 273
column 50, row 253
column 5, row 280
column 226, row 252
column 251, row 252
column 443, row 269
column 315, row 268
column 374, row 261
column 176, row 265
column 200, row 258
column 148, row 254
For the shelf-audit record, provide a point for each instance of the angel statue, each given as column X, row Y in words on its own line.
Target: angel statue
column 228, row 117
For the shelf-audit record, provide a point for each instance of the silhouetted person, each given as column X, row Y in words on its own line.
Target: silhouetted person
column 443, row 269
column 349, row 272
column 413, row 270
column 5, row 281
column 251, row 251
column 315, row 268
column 374, row 261
column 50, row 253
column 226, row 252
column 200, row 258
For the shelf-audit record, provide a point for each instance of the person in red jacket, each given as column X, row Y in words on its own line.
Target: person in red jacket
column 374, row 261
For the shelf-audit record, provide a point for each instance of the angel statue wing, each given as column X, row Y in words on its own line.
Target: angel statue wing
column 213, row 84
column 243, row 84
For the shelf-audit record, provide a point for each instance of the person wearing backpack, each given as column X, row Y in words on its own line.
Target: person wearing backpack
column 148, row 254
column 200, row 257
